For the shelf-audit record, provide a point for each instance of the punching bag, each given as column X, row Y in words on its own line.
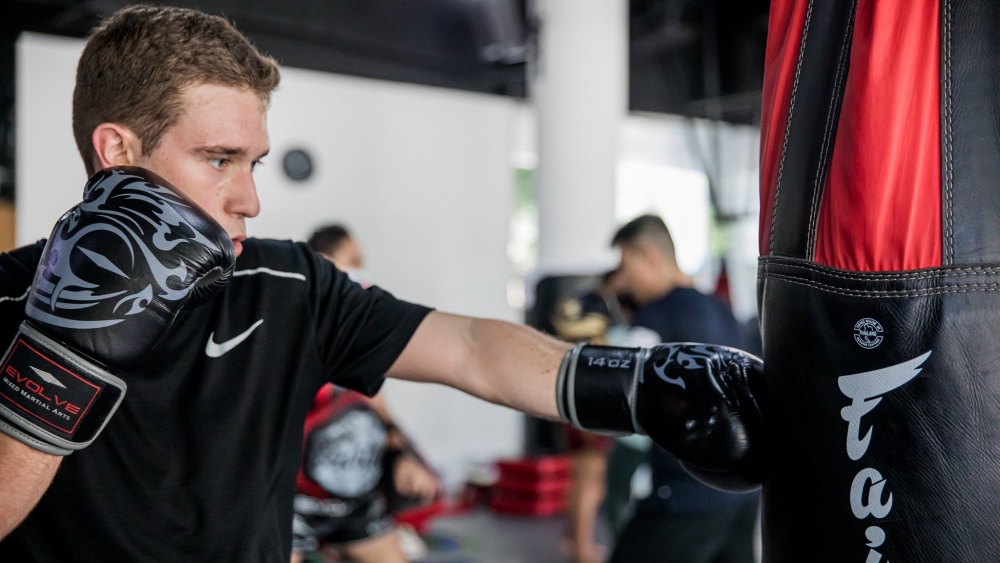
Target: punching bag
column 878, row 281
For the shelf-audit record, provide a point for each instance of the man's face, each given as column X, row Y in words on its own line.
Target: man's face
column 347, row 257
column 211, row 152
column 637, row 272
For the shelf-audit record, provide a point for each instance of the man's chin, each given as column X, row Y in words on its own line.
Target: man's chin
column 238, row 247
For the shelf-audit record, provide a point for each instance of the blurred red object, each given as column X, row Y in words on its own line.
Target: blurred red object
column 533, row 486
column 420, row 517
column 535, row 469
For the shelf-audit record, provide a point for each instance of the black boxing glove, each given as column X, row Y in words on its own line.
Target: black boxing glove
column 115, row 272
column 697, row 401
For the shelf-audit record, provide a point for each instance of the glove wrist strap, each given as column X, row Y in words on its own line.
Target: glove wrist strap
column 595, row 388
column 52, row 398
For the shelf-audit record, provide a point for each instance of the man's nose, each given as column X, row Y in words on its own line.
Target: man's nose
column 245, row 201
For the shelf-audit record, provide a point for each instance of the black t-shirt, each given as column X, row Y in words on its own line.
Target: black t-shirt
column 199, row 462
column 687, row 315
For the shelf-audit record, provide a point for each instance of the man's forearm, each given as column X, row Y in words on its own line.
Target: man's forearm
column 517, row 365
column 26, row 474
column 498, row 361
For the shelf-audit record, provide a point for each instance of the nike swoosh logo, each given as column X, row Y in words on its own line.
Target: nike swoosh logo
column 213, row 350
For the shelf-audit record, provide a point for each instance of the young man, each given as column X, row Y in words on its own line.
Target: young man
column 682, row 520
column 222, row 342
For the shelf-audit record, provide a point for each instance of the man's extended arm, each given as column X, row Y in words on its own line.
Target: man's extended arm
column 33, row 470
column 498, row 361
column 697, row 401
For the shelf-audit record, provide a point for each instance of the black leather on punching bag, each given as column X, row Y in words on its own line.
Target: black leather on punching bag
column 882, row 413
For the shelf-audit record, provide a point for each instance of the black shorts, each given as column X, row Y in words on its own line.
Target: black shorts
column 320, row 522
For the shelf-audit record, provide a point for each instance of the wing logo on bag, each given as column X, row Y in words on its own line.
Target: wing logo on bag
column 868, row 490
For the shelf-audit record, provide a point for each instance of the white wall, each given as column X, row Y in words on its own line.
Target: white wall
column 49, row 173
column 422, row 175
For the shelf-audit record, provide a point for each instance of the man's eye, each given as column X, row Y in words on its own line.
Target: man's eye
column 217, row 162
column 255, row 164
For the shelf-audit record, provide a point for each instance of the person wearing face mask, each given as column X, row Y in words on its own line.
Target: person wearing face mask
column 335, row 243
column 358, row 523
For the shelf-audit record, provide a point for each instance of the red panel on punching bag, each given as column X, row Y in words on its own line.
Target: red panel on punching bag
column 783, row 39
column 881, row 208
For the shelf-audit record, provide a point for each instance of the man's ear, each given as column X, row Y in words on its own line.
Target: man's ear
column 115, row 145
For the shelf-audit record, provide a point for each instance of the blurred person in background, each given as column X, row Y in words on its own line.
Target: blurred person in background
column 682, row 520
column 357, row 466
column 335, row 243
column 351, row 478
column 601, row 473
